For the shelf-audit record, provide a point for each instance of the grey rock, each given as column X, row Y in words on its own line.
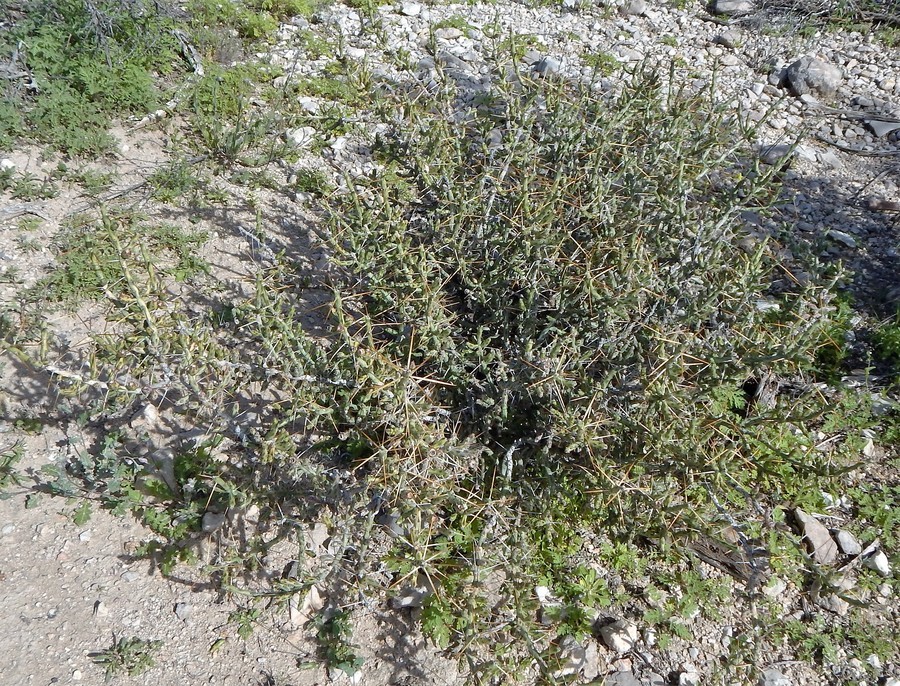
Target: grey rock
column 841, row 237
column 301, row 137
column 847, row 543
column 411, row 9
column 212, row 521
column 571, row 657
column 630, row 54
column 409, row 597
column 882, row 128
column 833, row 603
column 773, row 677
column 531, row 56
column 733, row 7
column 130, row 576
column 830, row 159
column 548, row 66
column 811, row 75
column 775, row 154
column 620, row 636
column 824, row 550
column 451, row 61
column 591, row 669
column 448, row 33
column 634, row 8
column 728, row 39
column 622, row 679
column 183, row 611
column 879, row 562
column 654, row 679
column 689, row 679
column 6, row 164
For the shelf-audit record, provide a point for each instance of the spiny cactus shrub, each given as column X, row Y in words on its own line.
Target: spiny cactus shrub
column 547, row 307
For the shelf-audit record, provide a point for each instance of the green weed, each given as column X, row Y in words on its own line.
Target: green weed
column 334, row 634
column 603, row 62
column 131, row 656
column 8, row 474
column 89, row 62
column 94, row 261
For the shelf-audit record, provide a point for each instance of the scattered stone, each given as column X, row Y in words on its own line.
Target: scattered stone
column 620, row 636
column 622, row 679
column 7, row 164
column 654, row 679
column 629, row 54
column 733, row 8
column 300, row 612
column 76, row 675
column 130, row 576
column 315, row 537
column 100, row 609
column 833, row 603
column 882, row 128
column 634, row 8
column 301, row 137
column 841, row 237
column 808, row 75
column 879, row 562
column 212, row 521
column 830, row 159
column 410, row 9
column 689, row 679
column 773, row 677
column 728, row 39
column 775, row 154
column 592, row 666
column 571, row 655
column 7, row 529
column 548, row 66
column 874, row 662
column 85, row 536
column 145, row 419
column 309, row 104
column 774, row 587
column 824, row 550
column 391, row 522
column 847, row 543
column 183, row 611
column 409, row 597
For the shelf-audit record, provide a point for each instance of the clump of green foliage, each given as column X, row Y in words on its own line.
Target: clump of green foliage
column 887, row 342
column 118, row 255
column 132, row 656
column 563, row 322
column 86, row 63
